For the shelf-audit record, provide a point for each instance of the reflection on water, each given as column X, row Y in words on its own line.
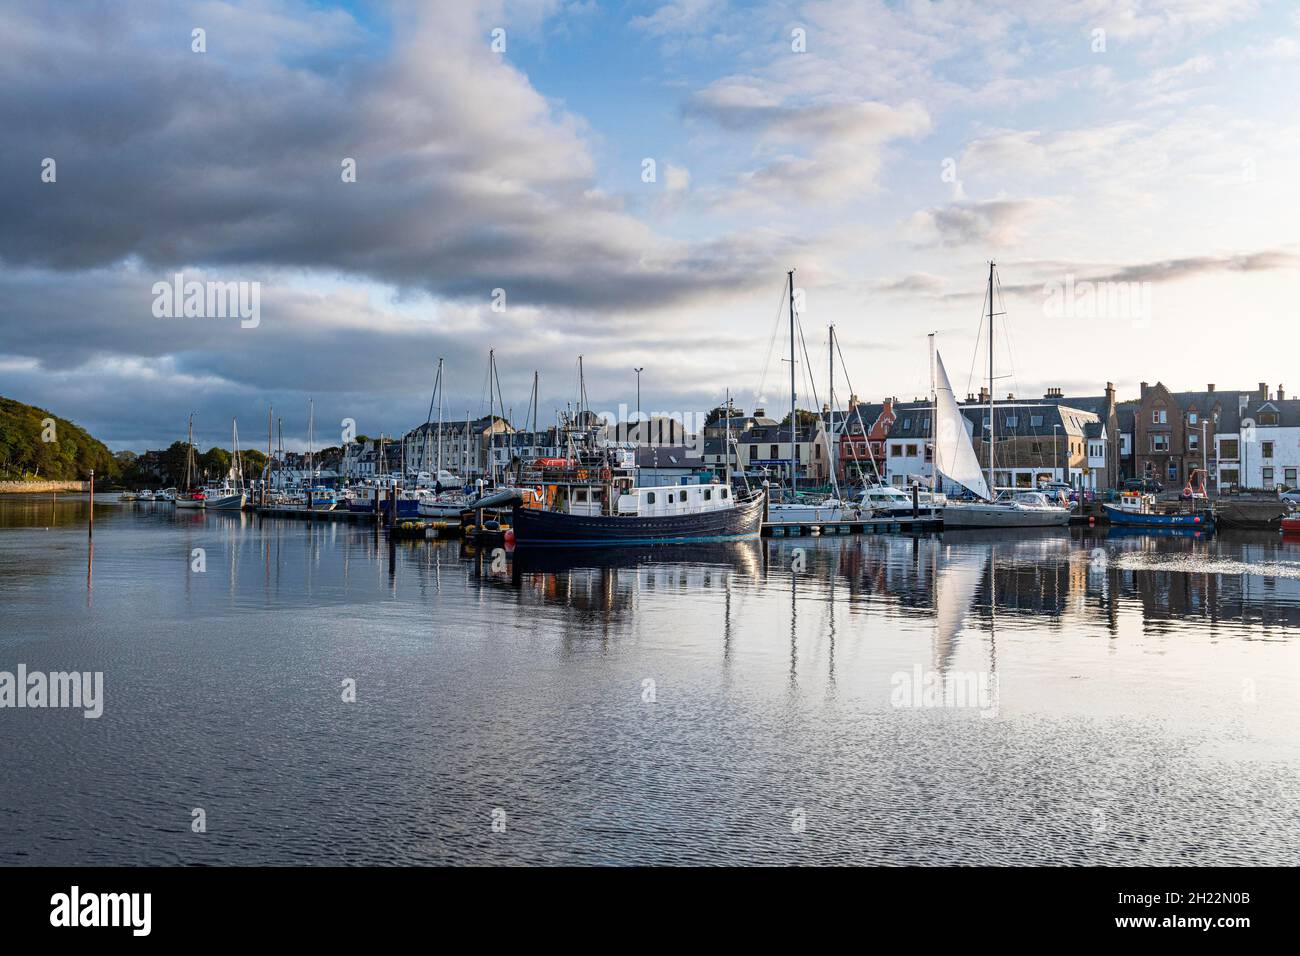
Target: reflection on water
column 658, row 705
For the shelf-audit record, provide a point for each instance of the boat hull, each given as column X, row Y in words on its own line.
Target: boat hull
column 1002, row 516
column 226, row 503
column 189, row 503
column 534, row 527
column 1130, row 519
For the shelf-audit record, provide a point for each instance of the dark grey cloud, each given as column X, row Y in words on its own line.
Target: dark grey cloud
column 226, row 166
column 466, row 179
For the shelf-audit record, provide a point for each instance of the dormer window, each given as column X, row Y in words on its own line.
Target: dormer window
column 1193, row 418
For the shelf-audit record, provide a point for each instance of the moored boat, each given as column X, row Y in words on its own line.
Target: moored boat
column 1142, row 510
column 955, row 458
column 670, row 514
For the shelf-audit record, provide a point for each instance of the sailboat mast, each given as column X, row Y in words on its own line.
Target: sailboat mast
column 311, row 425
column 492, row 407
column 793, row 396
column 934, row 424
column 992, row 488
column 440, row 389
column 189, row 453
column 726, row 450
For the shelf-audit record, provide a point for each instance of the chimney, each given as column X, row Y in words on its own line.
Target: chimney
column 984, row 394
column 1263, row 391
column 826, row 408
column 1011, row 396
column 760, row 412
column 970, row 396
column 1281, row 393
column 1210, row 388
column 1145, row 388
column 853, row 401
column 1053, row 393
column 1110, row 393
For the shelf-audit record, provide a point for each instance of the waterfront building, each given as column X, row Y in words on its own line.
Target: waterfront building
column 1257, row 443
column 765, row 452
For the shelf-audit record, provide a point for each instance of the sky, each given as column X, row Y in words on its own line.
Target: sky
column 630, row 183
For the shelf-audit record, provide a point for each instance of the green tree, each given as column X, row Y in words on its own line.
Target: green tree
column 214, row 463
column 807, row 419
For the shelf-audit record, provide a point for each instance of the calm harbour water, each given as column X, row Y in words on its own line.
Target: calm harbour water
column 1136, row 699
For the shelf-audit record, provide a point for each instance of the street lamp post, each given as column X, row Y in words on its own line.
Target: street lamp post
column 1056, row 455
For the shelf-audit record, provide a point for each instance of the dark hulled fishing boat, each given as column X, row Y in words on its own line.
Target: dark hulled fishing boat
column 592, row 500
column 671, row 514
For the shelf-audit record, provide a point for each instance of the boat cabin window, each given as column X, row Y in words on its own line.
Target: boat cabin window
column 580, row 494
column 650, row 497
column 708, row 494
column 724, row 492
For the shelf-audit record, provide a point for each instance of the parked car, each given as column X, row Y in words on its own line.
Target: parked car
column 1146, row 486
column 1291, row 496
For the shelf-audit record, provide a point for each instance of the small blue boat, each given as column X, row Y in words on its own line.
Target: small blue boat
column 1140, row 511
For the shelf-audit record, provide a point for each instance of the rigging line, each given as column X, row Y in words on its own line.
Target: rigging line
column 771, row 344
column 1006, row 333
column 812, row 386
column 437, row 382
column 979, row 340
column 858, row 412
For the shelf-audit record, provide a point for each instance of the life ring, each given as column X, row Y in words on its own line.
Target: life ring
column 604, row 474
column 1187, row 490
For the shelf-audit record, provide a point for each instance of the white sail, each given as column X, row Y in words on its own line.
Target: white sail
column 954, row 455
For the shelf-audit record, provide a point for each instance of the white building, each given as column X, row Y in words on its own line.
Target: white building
column 1257, row 445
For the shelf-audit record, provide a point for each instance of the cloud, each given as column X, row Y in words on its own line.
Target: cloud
column 467, row 178
column 1154, row 271
column 812, row 152
column 994, row 222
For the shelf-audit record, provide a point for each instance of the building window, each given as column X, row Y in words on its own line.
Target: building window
column 1173, row 470
column 1035, row 421
column 907, row 424
column 1193, row 441
column 1228, row 449
column 911, row 451
column 776, row 451
column 1268, row 477
column 1193, row 418
column 1290, row 474
column 1159, row 416
column 1159, row 444
column 1267, row 418
column 1013, row 421
column 1266, row 449
column 895, row 451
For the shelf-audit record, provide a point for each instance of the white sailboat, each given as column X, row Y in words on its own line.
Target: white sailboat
column 954, row 457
